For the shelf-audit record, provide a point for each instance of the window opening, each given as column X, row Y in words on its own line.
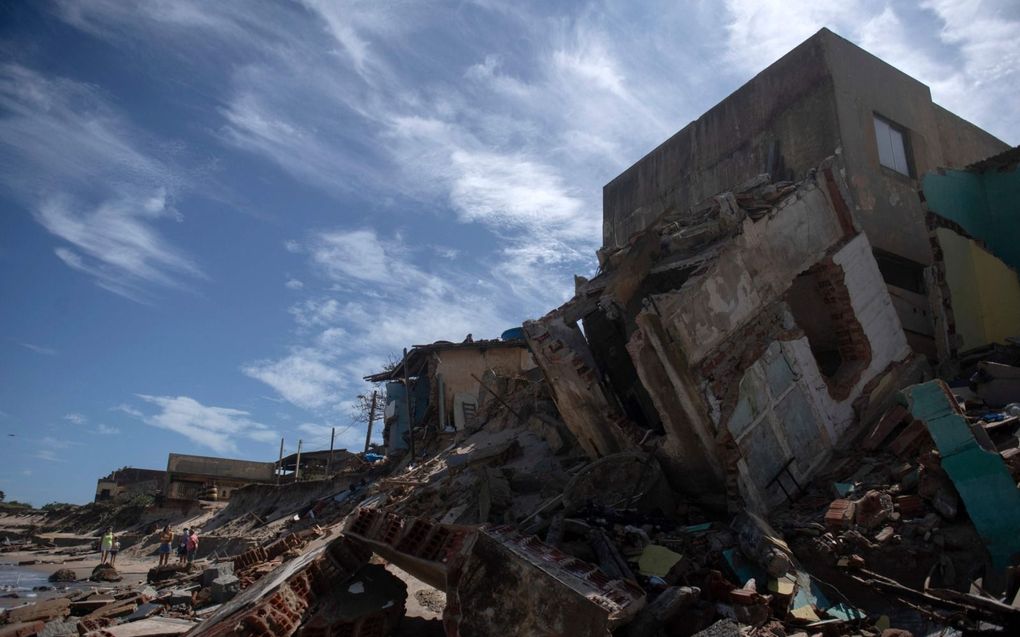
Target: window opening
column 892, row 146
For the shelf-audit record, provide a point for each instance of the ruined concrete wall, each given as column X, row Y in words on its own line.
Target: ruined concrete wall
column 785, row 408
column 752, row 271
column 787, row 112
column 457, row 366
column 588, row 409
column 221, row 467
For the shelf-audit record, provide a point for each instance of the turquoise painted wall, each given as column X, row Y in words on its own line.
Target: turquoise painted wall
column 980, row 476
column 419, row 406
column 985, row 204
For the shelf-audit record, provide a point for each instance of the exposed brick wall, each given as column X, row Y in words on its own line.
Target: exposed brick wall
column 854, row 346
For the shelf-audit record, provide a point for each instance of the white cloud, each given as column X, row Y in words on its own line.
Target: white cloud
column 106, row 430
column 356, row 255
column 85, row 173
column 217, row 428
column 294, row 284
column 76, row 418
column 304, row 378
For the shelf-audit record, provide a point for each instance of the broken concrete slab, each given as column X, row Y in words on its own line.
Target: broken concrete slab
column 152, row 627
column 224, row 588
column 60, row 628
column 145, row 611
column 86, row 606
column 44, row 610
column 497, row 580
column 515, row 584
column 219, row 570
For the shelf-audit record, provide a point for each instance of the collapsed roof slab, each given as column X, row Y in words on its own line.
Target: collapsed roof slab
column 499, row 581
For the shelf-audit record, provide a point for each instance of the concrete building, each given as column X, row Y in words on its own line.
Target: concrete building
column 444, row 383
column 826, row 97
column 206, row 478
column 130, row 481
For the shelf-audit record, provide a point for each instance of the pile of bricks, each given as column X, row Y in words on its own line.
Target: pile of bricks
column 280, row 612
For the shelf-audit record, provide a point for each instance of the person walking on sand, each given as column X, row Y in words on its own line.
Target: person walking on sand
column 166, row 537
column 192, row 546
column 106, row 545
column 182, row 547
column 113, row 551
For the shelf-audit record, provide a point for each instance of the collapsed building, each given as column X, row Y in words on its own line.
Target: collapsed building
column 439, row 384
column 739, row 340
column 742, row 323
column 128, row 481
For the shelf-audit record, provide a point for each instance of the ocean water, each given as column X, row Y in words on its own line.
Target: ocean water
column 20, row 580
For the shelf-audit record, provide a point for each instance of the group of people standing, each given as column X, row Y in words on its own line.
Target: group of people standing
column 187, row 545
column 186, row 542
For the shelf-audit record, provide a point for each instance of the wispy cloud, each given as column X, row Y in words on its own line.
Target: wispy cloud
column 116, row 242
column 76, row 418
column 39, row 349
column 91, row 180
column 106, row 430
column 49, row 447
column 349, row 335
column 217, row 428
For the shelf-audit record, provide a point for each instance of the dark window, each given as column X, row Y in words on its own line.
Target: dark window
column 892, row 146
column 903, row 273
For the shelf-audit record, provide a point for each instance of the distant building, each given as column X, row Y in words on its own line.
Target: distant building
column 130, row 481
column 825, row 97
column 444, row 383
column 206, row 478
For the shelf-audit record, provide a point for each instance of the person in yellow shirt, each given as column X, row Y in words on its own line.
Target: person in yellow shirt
column 166, row 536
column 106, row 545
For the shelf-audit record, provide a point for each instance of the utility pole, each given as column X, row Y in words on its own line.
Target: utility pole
column 297, row 463
column 371, row 419
column 279, row 463
column 329, row 465
column 407, row 404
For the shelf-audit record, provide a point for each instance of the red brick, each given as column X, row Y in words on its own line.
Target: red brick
column 840, row 515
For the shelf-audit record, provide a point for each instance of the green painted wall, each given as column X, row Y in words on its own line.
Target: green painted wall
column 980, row 476
column 986, row 204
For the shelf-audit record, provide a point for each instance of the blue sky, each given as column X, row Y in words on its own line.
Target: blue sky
column 218, row 216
